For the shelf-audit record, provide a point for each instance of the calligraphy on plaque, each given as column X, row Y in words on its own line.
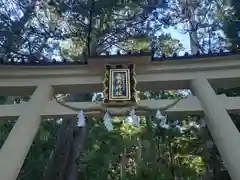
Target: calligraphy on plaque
column 119, row 84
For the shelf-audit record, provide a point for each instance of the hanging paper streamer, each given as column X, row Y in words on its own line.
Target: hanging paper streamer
column 159, row 115
column 175, row 123
column 81, row 122
column 202, row 122
column 133, row 119
column 108, row 122
column 163, row 120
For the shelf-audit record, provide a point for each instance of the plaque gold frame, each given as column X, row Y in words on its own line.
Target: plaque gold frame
column 127, row 97
column 110, row 98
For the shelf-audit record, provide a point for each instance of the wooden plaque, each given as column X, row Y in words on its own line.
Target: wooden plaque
column 119, row 85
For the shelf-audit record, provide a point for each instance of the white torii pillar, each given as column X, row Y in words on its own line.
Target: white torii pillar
column 19, row 141
column 221, row 126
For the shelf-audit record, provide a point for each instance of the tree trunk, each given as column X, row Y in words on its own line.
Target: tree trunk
column 152, row 152
column 59, row 156
column 71, row 169
column 63, row 161
column 123, row 164
column 139, row 156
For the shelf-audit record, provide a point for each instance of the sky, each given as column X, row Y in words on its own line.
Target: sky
column 183, row 38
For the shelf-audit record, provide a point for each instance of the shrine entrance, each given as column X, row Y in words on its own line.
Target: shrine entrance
column 120, row 78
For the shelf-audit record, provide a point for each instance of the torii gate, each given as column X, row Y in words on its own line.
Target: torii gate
column 197, row 73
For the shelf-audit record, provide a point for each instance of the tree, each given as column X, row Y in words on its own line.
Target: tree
column 232, row 24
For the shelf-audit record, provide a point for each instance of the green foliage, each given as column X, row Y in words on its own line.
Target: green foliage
column 232, row 24
column 164, row 153
column 163, row 43
column 40, row 151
